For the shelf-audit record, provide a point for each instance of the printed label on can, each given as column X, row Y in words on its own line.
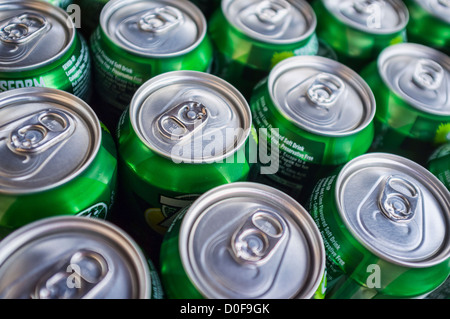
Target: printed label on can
column 77, row 70
column 99, row 210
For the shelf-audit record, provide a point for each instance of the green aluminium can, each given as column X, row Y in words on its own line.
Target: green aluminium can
column 184, row 133
column 429, row 23
column 69, row 257
column 138, row 39
column 439, row 164
column 40, row 47
column 411, row 84
column 251, row 36
column 385, row 223
column 56, row 158
column 318, row 114
column 243, row 241
column 359, row 30
column 90, row 14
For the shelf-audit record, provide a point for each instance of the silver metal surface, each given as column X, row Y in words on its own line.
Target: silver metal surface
column 438, row 8
column 32, row 34
column 396, row 209
column 272, row 21
column 72, row 258
column 153, row 28
column 248, row 240
column 321, row 95
column 47, row 138
column 371, row 16
column 418, row 74
column 190, row 116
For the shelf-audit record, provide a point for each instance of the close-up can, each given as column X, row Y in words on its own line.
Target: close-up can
column 429, row 23
column 56, row 159
column 251, row 36
column 411, row 84
column 313, row 113
column 40, row 47
column 69, row 257
column 138, row 39
column 385, row 225
column 243, row 241
column 439, row 164
column 359, row 30
column 184, row 133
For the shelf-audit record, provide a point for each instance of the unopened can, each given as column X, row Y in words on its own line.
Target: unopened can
column 138, row 39
column 251, row 36
column 40, row 47
column 411, row 84
column 313, row 113
column 429, row 23
column 75, row 258
column 439, row 164
column 56, row 159
column 359, row 30
column 184, row 133
column 243, row 241
column 385, row 225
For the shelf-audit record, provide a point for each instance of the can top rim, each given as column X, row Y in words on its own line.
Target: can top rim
column 417, row 51
column 239, row 191
column 48, row 9
column 63, row 99
column 302, row 6
column 427, row 5
column 188, row 78
column 412, row 169
column 399, row 7
column 52, row 227
column 114, row 5
column 334, row 68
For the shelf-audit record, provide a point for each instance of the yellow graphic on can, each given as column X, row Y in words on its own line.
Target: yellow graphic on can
column 279, row 56
column 154, row 217
column 442, row 134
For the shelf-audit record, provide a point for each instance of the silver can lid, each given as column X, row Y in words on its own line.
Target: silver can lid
column 321, row 95
column 271, row 21
column 190, row 117
column 438, row 8
column 72, row 258
column 154, row 28
column 248, row 240
column 370, row 16
column 396, row 209
column 420, row 75
column 47, row 138
column 32, row 34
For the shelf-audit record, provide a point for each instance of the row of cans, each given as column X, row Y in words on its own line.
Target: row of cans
column 185, row 133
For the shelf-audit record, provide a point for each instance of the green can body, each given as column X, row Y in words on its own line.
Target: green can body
column 354, row 270
column 119, row 71
column 439, row 164
column 243, row 60
column 426, row 28
column 157, row 188
column 401, row 127
column 303, row 152
column 353, row 46
column 70, row 73
column 90, row 194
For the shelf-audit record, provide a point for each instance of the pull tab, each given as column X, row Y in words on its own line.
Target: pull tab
column 428, row 74
column 84, row 271
column 365, row 12
column 256, row 241
column 272, row 11
column 325, row 90
column 399, row 199
column 22, row 28
column 159, row 20
column 444, row 3
column 182, row 120
column 40, row 132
